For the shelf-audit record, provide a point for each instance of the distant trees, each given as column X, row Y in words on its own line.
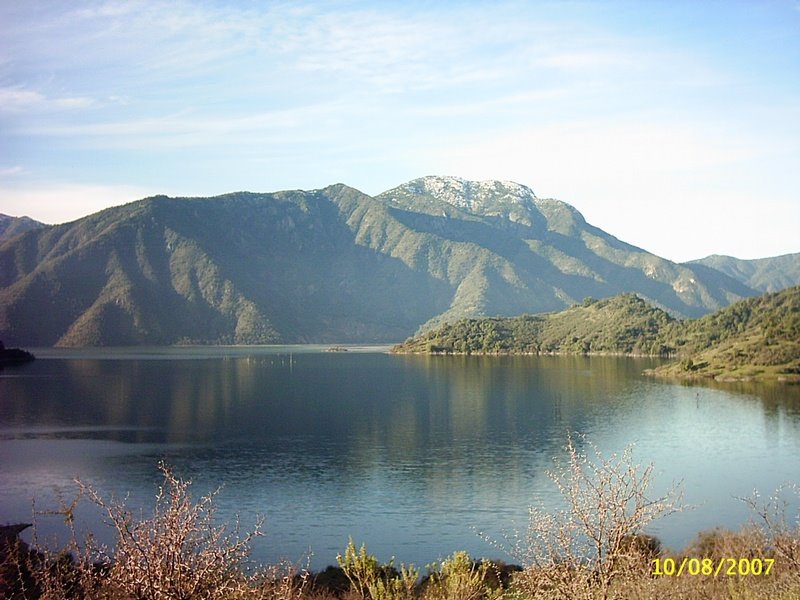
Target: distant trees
column 620, row 325
column 761, row 331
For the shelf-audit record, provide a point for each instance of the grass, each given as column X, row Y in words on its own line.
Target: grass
column 594, row 548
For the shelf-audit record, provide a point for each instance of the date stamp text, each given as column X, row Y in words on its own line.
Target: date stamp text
column 708, row 567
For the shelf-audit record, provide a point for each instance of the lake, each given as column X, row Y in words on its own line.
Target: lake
column 413, row 455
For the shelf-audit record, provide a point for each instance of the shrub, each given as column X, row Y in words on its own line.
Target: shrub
column 580, row 550
column 371, row 580
column 178, row 552
column 780, row 531
column 460, row 577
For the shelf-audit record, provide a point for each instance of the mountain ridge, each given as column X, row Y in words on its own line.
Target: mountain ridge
column 769, row 274
column 325, row 265
column 11, row 226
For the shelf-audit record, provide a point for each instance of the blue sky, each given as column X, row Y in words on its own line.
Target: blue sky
column 673, row 125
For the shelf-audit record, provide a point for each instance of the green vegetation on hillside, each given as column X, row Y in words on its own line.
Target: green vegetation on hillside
column 754, row 338
column 11, row 226
column 624, row 324
column 327, row 266
column 764, row 274
column 757, row 338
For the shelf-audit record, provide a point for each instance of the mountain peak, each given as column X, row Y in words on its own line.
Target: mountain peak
column 11, row 226
column 492, row 198
column 473, row 196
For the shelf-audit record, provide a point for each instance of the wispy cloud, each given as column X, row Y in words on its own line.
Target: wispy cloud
column 587, row 60
column 191, row 129
column 19, row 100
column 578, row 98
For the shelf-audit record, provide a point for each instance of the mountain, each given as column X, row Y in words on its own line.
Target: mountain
column 11, row 226
column 327, row 265
column 241, row 268
column 523, row 254
column 763, row 274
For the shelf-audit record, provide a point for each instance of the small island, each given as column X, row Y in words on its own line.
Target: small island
column 14, row 356
column 754, row 339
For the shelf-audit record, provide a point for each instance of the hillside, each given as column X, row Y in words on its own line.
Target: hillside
column 624, row 324
column 241, row 268
column 754, row 338
column 764, row 274
column 328, row 265
column 757, row 338
column 11, row 226
column 529, row 255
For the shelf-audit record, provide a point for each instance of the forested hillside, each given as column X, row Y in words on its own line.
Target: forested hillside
column 328, row 265
column 764, row 274
column 11, row 226
column 624, row 324
column 756, row 337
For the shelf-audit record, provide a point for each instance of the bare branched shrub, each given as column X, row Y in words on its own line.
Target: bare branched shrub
column 178, row 552
column 42, row 572
column 780, row 530
column 281, row 582
column 580, row 550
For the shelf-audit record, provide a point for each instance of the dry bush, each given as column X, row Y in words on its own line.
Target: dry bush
column 780, row 531
column 717, row 544
column 279, row 582
column 771, row 535
column 178, row 552
column 581, row 550
column 41, row 572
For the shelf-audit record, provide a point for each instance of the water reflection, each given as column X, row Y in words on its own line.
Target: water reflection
column 408, row 453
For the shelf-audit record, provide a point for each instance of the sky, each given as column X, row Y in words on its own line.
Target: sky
column 674, row 126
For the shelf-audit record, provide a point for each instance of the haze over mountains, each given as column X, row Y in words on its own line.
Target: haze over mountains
column 330, row 265
column 764, row 274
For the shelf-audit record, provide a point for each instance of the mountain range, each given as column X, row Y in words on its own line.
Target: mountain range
column 332, row 265
column 763, row 274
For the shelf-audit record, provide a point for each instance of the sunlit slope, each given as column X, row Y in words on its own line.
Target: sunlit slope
column 623, row 324
column 764, row 274
column 754, row 338
column 240, row 268
column 328, row 265
column 541, row 254
column 11, row 226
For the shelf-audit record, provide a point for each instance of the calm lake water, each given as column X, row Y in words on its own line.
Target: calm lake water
column 412, row 455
